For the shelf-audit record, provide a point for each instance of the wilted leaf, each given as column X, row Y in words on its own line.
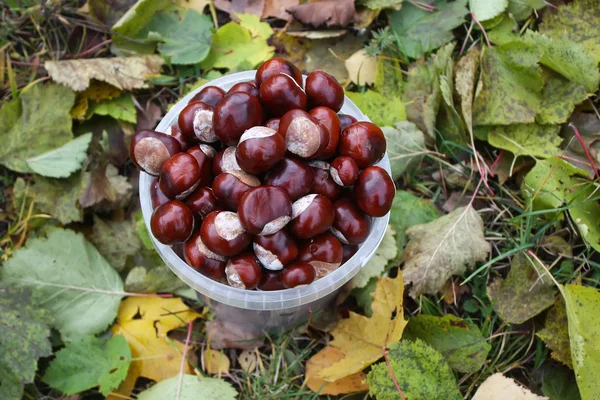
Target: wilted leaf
column 379, row 4
column 499, row 387
column 58, row 197
column 383, row 111
column 442, row 248
column 465, row 76
column 362, row 68
column 459, row 341
column 560, row 383
column 96, row 91
column 278, row 8
column 121, row 108
column 421, row 373
column 325, row 12
column 487, row 9
column 115, row 240
column 234, row 7
column 159, row 279
column 405, row 147
column 526, row 139
column 376, row 266
column 75, row 283
column 323, row 359
column 192, row 387
column 555, row 333
column 388, row 80
column 62, row 161
column 87, row 363
column 215, row 362
column 588, row 126
column 104, row 188
column 526, row 291
column 108, row 12
column 522, row 9
column 248, row 360
column 226, row 334
column 125, row 73
column 448, row 122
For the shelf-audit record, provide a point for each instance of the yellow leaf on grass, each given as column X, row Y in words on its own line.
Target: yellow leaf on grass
column 145, row 322
column 362, row 339
column 96, row 91
column 215, row 362
column 362, row 68
column 325, row 358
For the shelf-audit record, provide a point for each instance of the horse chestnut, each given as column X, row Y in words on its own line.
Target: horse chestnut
column 364, row 142
column 243, row 271
column 374, row 191
column 273, row 123
column 280, row 94
column 304, row 135
column 225, row 161
column 292, row 175
column 175, row 132
column 323, row 89
column 202, row 202
column 344, row 171
column 331, row 121
column 350, row 225
column 349, row 251
column 271, row 280
column 276, row 66
column 323, row 183
column 172, row 223
column 234, row 114
column 298, row 274
column 275, row 251
column 204, row 155
column 265, row 210
column 245, row 87
column 311, row 216
column 259, row 149
column 179, row 176
column 223, row 233
column 196, row 122
column 230, row 186
column 156, row 195
column 199, row 257
column 149, row 150
column 346, row 120
column 210, row 95
column 324, row 252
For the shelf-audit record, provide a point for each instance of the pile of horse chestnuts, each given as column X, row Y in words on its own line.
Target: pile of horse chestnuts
column 266, row 186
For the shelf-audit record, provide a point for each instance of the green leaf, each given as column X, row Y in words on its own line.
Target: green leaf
column 115, row 240
column 382, row 110
column 421, row 373
column 556, row 334
column 559, row 384
column 419, row 31
column 379, row 4
column 510, row 85
column 121, row 107
column 487, row 9
column 448, row 122
column 89, row 362
column 559, row 98
column 459, row 341
column 142, row 231
column 526, row 139
column 388, row 80
column 522, row 9
column 464, row 80
column 578, row 21
column 364, row 296
column 23, row 338
column 583, row 308
column 159, row 279
column 76, row 284
column 526, row 292
column 132, row 26
column 9, row 114
column 62, row 161
column 505, row 32
column 405, row 147
column 59, row 197
column 192, row 388
column 44, row 124
column 386, row 251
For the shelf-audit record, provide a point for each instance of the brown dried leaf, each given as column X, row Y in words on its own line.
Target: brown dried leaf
column 233, row 7
column 278, row 8
column 228, row 335
column 328, row 12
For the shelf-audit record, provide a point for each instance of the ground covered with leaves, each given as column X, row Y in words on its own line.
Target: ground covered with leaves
column 486, row 284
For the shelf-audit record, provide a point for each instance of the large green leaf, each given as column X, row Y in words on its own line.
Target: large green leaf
column 76, row 284
column 62, row 161
column 382, row 110
column 130, row 30
column 560, row 384
column 526, row 139
column 191, row 388
column 522, row 9
column 59, row 197
column 122, row 108
column 556, row 334
column 405, row 147
column 559, row 98
column 487, row 9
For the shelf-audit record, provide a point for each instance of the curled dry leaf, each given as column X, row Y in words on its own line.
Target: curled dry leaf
column 499, row 387
column 328, row 12
column 278, row 8
column 215, row 362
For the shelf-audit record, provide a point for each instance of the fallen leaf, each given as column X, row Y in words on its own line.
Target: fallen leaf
column 364, row 297
column 122, row 108
column 362, row 68
column 383, row 111
column 215, row 362
column 377, row 264
column 96, row 91
column 442, row 248
column 234, row 7
column 556, row 334
column 405, row 147
column 226, row 334
column 507, row 29
column 388, row 79
column 487, row 9
column 278, row 8
column 104, row 188
column 588, row 126
column 318, row 34
column 499, row 387
column 522, row 9
column 420, row 371
column 149, row 117
column 379, row 4
column 115, row 240
column 459, row 341
column 62, row 161
column 190, row 387
column 323, row 359
column 108, row 12
column 325, row 12
column 559, row 384
column 465, row 75
column 556, row 245
column 157, row 279
column 531, row 140
column 248, row 360
column 559, row 98
column 124, row 73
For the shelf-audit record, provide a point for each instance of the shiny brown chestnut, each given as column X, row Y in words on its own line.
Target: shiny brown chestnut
column 172, row 223
column 323, row 89
column 243, row 271
column 275, row 251
column 223, row 233
column 364, row 142
column 230, row 186
column 374, row 191
column 280, row 94
column 324, row 252
column 149, row 150
column 276, row 66
column 305, row 137
column 175, row 132
column 331, row 121
column 259, row 149
column 225, row 161
column 179, row 176
column 344, row 171
column 234, row 114
column 156, row 195
column 202, row 202
column 346, row 120
column 349, row 251
column 323, row 183
column 350, row 225
column 273, row 123
column 270, row 280
column 265, row 210
column 245, row 87
column 292, row 175
column 210, row 95
column 204, row 155
column 298, row 274
column 199, row 257
column 311, row 216
column 196, row 122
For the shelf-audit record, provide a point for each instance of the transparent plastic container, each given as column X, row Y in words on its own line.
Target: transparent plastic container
column 257, row 311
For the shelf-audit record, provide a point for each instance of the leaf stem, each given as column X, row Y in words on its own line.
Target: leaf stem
column 587, row 152
column 183, row 358
column 389, row 367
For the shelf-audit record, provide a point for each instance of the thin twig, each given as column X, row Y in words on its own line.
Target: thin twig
column 183, row 358
column 387, row 362
column 587, row 152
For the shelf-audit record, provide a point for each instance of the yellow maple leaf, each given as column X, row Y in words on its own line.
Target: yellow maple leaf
column 349, row 384
column 145, row 322
column 362, row 339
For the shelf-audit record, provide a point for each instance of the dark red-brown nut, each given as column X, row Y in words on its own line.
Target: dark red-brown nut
column 292, row 175
column 331, row 121
column 204, row 155
column 223, row 233
column 202, row 202
column 259, row 149
column 156, row 195
column 172, row 223
column 273, row 123
column 265, row 210
column 364, row 142
column 196, row 122
column 349, row 251
column 245, row 87
column 305, row 137
column 210, row 95
column 225, row 161
column 311, row 216
column 323, row 89
column 230, row 186
column 243, row 271
column 276, row 66
column 350, row 225
column 271, row 280
column 275, row 251
column 179, row 176
column 374, row 191
column 237, row 112
column 298, row 274
column 149, row 150
column 323, row 252
column 346, row 120
column 344, row 171
column 280, row 94
column 175, row 132
column 323, row 183
column 199, row 257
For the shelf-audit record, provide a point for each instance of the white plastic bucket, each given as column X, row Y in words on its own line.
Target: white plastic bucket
column 273, row 311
